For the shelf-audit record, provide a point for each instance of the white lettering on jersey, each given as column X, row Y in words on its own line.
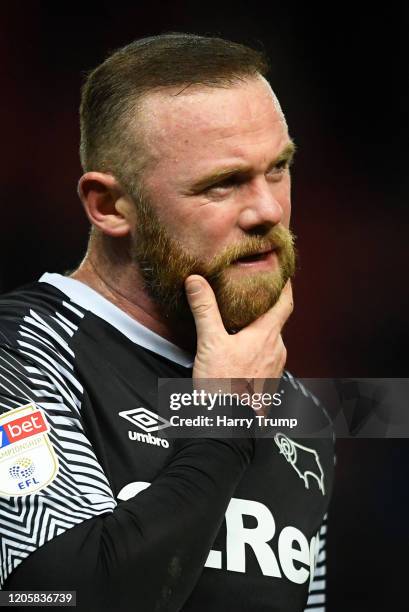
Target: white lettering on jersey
column 288, row 554
column 293, row 546
column 257, row 537
column 148, row 439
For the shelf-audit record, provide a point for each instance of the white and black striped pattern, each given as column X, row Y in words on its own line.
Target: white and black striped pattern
column 38, row 366
column 316, row 597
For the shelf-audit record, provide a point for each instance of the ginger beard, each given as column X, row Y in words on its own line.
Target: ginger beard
column 165, row 264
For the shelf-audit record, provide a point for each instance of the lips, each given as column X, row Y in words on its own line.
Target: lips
column 258, row 256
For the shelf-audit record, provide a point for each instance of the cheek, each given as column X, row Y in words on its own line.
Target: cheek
column 207, row 229
column 286, row 213
column 218, row 221
column 214, row 227
column 284, row 198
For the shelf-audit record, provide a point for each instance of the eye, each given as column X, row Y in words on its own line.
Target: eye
column 279, row 169
column 223, row 186
column 282, row 165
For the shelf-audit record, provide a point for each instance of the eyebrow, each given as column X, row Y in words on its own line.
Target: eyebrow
column 287, row 154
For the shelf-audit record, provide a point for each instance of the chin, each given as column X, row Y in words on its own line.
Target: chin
column 235, row 319
column 242, row 301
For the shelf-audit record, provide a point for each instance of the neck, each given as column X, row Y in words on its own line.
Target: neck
column 116, row 277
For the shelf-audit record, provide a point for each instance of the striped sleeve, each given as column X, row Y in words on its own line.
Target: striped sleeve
column 317, row 591
column 37, row 368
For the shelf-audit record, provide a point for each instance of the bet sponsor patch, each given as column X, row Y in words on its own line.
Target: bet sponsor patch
column 28, row 461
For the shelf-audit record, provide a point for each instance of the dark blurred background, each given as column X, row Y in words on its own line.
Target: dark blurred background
column 340, row 71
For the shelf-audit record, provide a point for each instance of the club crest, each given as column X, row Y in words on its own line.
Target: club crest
column 304, row 460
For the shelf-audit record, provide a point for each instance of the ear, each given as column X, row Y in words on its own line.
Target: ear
column 106, row 204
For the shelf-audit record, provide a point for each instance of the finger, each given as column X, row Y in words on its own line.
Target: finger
column 283, row 308
column 278, row 314
column 203, row 305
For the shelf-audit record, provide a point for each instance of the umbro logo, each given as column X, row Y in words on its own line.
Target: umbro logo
column 148, row 421
column 145, row 419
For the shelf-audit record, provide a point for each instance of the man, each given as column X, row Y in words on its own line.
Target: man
column 186, row 183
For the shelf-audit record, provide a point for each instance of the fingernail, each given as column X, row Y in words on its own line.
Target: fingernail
column 193, row 287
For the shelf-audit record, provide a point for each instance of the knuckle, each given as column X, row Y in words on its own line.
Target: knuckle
column 202, row 308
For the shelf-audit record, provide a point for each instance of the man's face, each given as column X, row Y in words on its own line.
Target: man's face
column 216, row 190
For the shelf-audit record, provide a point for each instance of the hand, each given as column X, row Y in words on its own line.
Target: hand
column 256, row 351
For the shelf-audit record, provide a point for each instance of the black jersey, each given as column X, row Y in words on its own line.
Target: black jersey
column 91, row 502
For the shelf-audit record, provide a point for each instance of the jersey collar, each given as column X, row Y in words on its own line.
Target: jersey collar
column 91, row 300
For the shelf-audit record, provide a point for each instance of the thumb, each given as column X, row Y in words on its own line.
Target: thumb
column 203, row 305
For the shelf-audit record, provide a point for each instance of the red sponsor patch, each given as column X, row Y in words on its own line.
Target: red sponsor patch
column 25, row 426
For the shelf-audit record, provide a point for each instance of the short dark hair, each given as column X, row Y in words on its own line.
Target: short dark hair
column 112, row 91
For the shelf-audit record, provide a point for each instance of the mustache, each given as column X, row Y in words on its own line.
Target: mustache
column 278, row 238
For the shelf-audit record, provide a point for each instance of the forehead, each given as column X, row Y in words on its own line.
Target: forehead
column 197, row 122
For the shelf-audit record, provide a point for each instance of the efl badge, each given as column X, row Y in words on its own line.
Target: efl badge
column 28, row 462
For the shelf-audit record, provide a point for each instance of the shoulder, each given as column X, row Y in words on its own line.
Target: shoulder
column 37, row 324
column 40, row 311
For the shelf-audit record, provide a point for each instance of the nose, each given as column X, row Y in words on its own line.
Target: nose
column 262, row 208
